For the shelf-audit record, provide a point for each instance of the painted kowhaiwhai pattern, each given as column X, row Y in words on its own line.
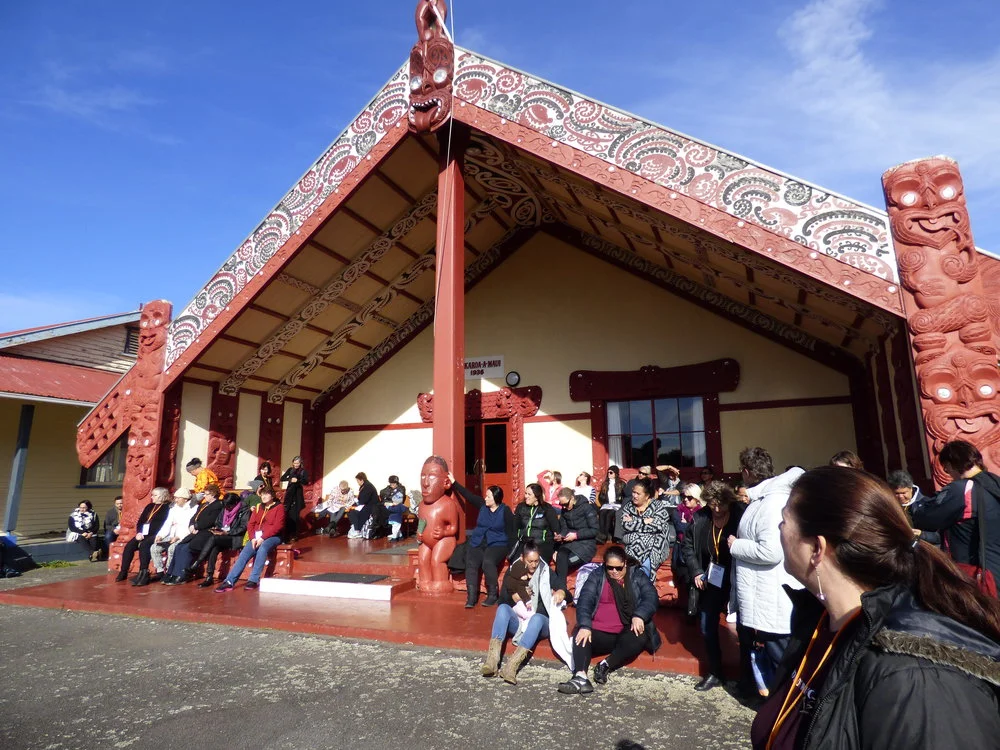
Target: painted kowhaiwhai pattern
column 854, row 234
column 387, row 109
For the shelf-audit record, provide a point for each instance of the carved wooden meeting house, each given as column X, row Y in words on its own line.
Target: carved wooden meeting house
column 628, row 295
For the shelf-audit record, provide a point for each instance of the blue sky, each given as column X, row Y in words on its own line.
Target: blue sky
column 141, row 142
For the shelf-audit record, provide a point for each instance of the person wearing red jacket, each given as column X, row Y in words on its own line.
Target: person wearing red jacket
column 267, row 521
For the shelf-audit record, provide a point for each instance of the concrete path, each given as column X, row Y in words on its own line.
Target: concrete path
column 77, row 680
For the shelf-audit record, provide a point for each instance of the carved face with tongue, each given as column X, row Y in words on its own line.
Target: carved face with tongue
column 432, row 68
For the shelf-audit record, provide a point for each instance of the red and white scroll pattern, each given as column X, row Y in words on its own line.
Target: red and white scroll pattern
column 387, row 109
column 837, row 227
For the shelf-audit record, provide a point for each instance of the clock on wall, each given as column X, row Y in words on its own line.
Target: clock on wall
column 513, row 378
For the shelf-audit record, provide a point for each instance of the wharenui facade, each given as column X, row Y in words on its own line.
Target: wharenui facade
column 622, row 294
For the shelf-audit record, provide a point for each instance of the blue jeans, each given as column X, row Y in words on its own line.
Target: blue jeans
column 646, row 566
column 506, row 623
column 182, row 560
column 259, row 557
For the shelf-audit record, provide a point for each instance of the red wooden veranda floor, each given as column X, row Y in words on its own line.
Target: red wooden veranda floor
column 411, row 617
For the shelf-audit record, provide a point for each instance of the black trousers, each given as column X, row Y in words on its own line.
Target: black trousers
column 606, row 521
column 145, row 556
column 567, row 561
column 214, row 546
column 90, row 545
column 487, row 559
column 622, row 648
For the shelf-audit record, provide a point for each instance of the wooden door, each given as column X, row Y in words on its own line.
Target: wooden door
column 487, row 457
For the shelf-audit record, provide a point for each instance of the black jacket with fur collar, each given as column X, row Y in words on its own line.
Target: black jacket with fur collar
column 909, row 678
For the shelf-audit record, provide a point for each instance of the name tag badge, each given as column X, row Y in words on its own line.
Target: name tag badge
column 145, row 529
column 226, row 529
column 715, row 574
column 258, row 534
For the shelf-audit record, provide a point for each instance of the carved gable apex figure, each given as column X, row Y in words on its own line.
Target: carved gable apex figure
column 432, row 68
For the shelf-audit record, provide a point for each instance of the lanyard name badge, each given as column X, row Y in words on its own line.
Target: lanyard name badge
column 145, row 529
column 716, row 573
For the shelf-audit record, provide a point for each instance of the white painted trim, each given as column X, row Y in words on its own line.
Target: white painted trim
column 381, row 592
column 67, row 329
column 45, row 399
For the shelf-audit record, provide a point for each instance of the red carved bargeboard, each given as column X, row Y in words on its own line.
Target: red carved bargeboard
column 512, row 404
column 953, row 340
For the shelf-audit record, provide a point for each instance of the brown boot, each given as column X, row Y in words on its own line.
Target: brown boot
column 492, row 662
column 509, row 669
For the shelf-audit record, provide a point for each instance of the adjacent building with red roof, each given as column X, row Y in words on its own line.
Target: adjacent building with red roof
column 50, row 377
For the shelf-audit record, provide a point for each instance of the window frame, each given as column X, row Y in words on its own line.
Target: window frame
column 118, row 452
column 656, row 433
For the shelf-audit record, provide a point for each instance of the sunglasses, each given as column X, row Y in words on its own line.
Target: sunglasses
column 615, row 567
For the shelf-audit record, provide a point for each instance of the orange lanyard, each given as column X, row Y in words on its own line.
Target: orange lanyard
column 716, row 538
column 156, row 509
column 786, row 707
column 260, row 523
column 202, row 508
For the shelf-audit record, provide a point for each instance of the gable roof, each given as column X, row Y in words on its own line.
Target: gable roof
column 42, row 333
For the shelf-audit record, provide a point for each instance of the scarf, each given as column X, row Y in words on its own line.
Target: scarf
column 622, row 592
column 229, row 514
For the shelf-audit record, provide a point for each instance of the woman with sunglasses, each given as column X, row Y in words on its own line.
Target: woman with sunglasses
column 614, row 616
column 609, row 500
column 709, row 564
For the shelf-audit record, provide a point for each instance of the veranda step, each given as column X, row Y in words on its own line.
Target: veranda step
column 340, row 586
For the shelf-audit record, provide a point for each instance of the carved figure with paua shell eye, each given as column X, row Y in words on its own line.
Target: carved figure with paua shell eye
column 432, row 68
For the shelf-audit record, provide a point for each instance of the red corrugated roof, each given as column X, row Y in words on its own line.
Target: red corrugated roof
column 35, row 377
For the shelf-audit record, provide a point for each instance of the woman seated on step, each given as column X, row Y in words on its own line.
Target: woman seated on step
column 267, row 523
column 614, row 616
column 487, row 543
column 84, row 526
column 333, row 507
column 228, row 533
column 531, row 610
column 146, row 528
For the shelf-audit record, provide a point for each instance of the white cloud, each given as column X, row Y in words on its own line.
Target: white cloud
column 825, row 102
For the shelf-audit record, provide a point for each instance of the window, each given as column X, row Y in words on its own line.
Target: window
column 658, row 431
column 110, row 468
column 132, row 341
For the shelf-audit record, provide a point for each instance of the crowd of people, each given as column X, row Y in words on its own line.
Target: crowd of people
column 866, row 611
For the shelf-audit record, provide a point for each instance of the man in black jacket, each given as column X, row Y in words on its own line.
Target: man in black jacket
column 911, row 498
column 576, row 539
column 368, row 503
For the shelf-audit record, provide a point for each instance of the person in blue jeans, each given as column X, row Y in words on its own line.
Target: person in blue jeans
column 267, row 522
column 528, row 597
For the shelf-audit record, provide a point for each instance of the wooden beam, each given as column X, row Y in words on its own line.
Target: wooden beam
column 394, row 187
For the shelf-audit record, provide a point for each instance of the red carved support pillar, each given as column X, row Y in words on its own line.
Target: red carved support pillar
column 144, row 406
column 947, row 315
column 222, row 437
column 269, row 443
column 170, row 433
column 449, row 309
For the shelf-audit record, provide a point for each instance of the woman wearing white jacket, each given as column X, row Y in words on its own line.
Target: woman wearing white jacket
column 764, row 609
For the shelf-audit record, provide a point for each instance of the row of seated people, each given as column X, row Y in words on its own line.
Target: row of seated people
column 370, row 512
column 178, row 540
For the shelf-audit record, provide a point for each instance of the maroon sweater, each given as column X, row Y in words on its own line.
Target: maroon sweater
column 271, row 521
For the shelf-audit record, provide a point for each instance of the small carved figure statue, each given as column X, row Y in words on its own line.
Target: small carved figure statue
column 437, row 527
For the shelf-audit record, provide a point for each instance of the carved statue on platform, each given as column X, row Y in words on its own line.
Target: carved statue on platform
column 437, row 527
column 432, row 68
column 954, row 341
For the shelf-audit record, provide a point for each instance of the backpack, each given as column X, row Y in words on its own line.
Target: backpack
column 582, row 575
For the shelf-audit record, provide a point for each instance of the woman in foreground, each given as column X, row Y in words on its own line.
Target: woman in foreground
column 892, row 646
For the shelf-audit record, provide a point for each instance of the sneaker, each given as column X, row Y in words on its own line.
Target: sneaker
column 251, row 586
column 206, row 583
column 601, row 672
column 224, row 587
column 576, row 685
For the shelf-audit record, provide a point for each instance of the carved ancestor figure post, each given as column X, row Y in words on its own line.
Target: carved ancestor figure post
column 432, row 68
column 947, row 315
column 437, row 527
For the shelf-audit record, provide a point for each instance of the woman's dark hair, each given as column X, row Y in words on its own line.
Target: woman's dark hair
column 719, row 492
column 90, row 505
column 231, row 499
column 847, row 459
column 362, row 476
column 960, row 456
column 497, row 494
column 708, row 469
column 646, row 485
column 267, row 464
column 585, row 474
column 530, row 545
column 213, row 489
column 536, row 489
column 557, row 477
column 616, row 551
column 194, row 463
column 758, row 463
column 614, row 470
column 874, row 544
